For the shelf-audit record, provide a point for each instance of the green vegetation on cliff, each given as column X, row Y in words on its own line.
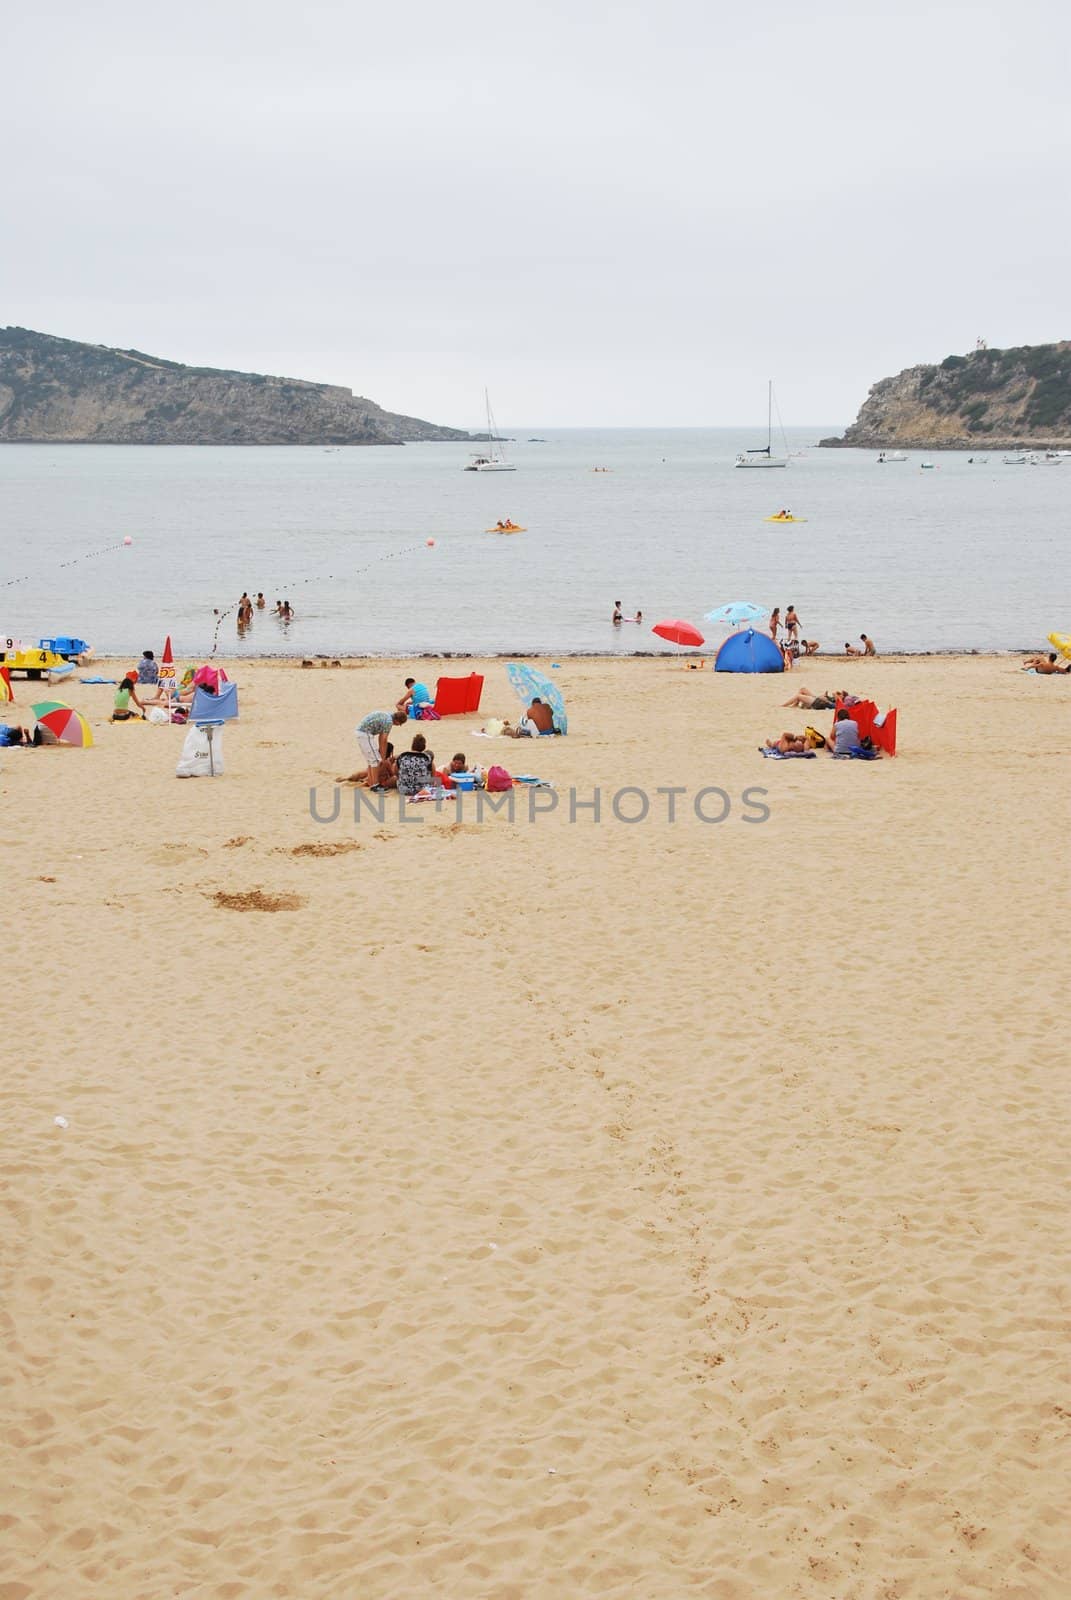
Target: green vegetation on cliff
column 1000, row 398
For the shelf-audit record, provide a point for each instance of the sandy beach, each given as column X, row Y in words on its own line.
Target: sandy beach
column 546, row 1208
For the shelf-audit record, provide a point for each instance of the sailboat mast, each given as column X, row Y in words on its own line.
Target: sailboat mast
column 769, row 415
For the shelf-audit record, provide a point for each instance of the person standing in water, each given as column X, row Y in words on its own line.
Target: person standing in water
column 618, row 615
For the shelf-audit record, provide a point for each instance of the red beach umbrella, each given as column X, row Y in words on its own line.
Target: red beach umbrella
column 678, row 632
column 167, row 658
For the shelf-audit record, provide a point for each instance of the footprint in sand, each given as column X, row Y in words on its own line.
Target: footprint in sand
column 173, row 855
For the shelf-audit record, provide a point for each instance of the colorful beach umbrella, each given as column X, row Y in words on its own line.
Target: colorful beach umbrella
column 532, row 685
column 735, row 613
column 678, row 632
column 6, row 691
column 68, row 725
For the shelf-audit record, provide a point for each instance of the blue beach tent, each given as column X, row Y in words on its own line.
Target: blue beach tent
column 749, row 652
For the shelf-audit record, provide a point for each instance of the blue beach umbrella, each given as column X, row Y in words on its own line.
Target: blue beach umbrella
column 532, row 685
column 735, row 613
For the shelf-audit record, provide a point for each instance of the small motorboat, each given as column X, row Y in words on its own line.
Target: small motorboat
column 887, row 457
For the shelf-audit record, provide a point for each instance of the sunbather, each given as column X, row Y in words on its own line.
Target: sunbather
column 1045, row 665
column 796, row 743
column 805, row 700
column 538, row 718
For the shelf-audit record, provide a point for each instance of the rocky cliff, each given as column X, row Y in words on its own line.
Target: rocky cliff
column 990, row 399
column 60, row 391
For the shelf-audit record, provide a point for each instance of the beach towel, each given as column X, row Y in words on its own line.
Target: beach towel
column 97, row 680
column 858, row 755
column 787, row 755
column 422, row 796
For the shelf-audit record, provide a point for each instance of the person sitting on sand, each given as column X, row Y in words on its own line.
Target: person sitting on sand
column 457, row 764
column 416, row 694
column 148, row 671
column 538, row 719
column 1045, row 665
column 868, row 645
column 850, row 650
column 844, row 736
column 372, row 739
column 416, row 768
column 126, row 692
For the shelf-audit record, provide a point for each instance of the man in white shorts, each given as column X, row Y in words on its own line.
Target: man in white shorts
column 372, row 738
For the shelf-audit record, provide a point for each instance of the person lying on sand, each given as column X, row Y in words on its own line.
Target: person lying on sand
column 805, row 700
column 1045, row 665
column 797, row 743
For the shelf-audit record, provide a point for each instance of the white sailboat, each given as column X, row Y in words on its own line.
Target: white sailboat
column 491, row 461
column 762, row 455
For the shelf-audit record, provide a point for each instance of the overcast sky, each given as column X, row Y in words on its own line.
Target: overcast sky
column 623, row 215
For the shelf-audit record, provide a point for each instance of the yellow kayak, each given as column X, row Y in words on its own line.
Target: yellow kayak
column 513, row 528
column 784, row 519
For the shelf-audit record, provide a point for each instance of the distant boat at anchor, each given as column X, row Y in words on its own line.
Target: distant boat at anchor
column 491, row 461
column 762, row 455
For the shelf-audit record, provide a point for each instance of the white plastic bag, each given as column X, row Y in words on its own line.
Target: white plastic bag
column 197, row 760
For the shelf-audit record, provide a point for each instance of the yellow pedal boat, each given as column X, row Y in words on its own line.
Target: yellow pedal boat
column 34, row 663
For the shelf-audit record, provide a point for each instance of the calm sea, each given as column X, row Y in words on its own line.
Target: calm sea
column 963, row 556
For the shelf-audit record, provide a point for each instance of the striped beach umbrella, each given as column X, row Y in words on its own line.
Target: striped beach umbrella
column 68, row 725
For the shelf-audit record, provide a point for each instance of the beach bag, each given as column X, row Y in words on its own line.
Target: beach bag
column 428, row 714
column 196, row 760
column 498, row 780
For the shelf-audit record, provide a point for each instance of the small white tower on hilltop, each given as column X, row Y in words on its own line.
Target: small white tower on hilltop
column 980, row 344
